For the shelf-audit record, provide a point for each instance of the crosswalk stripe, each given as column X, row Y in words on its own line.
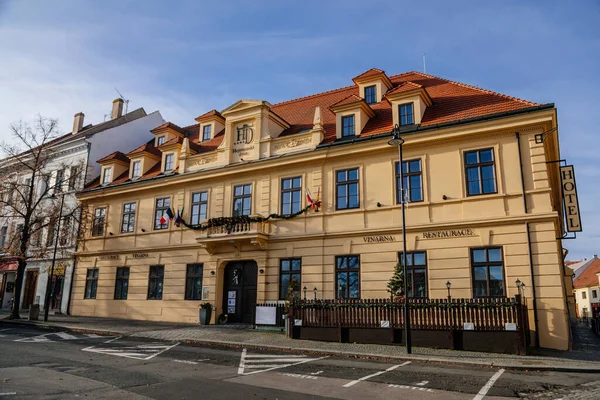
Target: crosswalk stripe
column 257, row 363
column 273, row 356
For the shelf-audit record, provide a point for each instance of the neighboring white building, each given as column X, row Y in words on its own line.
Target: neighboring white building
column 80, row 148
column 586, row 287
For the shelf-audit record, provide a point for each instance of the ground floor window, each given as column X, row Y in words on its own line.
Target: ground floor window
column 91, row 283
column 155, row 282
column 488, row 272
column 347, row 277
column 193, row 281
column 416, row 271
column 289, row 269
column 122, row 283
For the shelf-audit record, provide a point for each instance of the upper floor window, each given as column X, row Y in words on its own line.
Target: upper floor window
column 122, row 283
column 98, row 223
column 594, row 294
column 348, row 125
column 479, row 167
column 193, row 281
column 106, row 175
column 73, row 176
column 91, row 283
column 406, row 114
column 58, row 185
column 160, row 140
column 347, row 277
column 412, row 181
column 66, row 231
column 583, row 295
column 242, row 200
column 290, row 269
column 416, row 269
column 370, row 94
column 169, row 162
column 155, row 282
column 346, row 188
column 128, row 221
column 488, row 272
column 162, row 205
column 291, row 195
column 3, row 232
column 199, row 207
column 206, row 133
column 137, row 169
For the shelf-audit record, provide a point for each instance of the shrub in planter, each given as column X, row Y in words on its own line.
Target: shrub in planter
column 205, row 313
column 222, row 319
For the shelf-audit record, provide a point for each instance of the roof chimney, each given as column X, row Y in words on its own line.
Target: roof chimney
column 78, row 122
column 117, row 109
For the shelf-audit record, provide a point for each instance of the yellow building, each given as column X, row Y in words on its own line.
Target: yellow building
column 484, row 209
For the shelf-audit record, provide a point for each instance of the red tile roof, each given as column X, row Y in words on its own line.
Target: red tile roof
column 369, row 73
column 168, row 125
column 452, row 102
column 588, row 278
column 117, row 155
column 404, row 87
column 348, row 100
column 146, row 147
column 210, row 114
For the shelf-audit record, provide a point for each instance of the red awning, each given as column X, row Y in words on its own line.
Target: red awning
column 9, row 266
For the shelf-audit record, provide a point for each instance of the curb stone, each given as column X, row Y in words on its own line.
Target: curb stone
column 416, row 358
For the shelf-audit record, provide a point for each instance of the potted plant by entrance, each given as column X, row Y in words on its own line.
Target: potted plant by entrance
column 205, row 313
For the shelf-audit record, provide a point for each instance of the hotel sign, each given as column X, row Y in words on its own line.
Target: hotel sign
column 569, row 191
column 451, row 233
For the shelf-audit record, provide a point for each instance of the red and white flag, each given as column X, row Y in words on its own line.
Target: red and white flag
column 310, row 199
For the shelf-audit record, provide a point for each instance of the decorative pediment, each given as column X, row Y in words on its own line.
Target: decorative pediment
column 245, row 105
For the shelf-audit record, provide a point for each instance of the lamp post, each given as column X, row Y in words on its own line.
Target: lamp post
column 304, row 293
column 51, row 276
column 448, row 284
column 398, row 141
column 315, row 293
column 518, row 283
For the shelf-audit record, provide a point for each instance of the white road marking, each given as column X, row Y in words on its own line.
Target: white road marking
column 488, row 385
column 8, row 394
column 422, row 383
column 317, row 373
column 269, row 362
column 185, row 362
column 140, row 352
column 204, row 359
column 46, row 337
column 420, row 389
column 65, row 336
column 5, row 329
column 375, row 374
column 300, row 376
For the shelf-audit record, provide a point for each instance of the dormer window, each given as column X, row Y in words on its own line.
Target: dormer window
column 371, row 94
column 106, row 176
column 169, row 162
column 136, row 169
column 406, row 114
column 348, row 125
column 206, row 133
column 160, row 140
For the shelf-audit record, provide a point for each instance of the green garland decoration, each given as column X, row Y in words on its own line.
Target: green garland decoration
column 396, row 305
column 230, row 222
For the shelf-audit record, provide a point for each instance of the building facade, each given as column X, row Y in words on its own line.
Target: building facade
column 484, row 206
column 586, row 287
column 67, row 171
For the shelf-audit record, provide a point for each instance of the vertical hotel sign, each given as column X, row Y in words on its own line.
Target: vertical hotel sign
column 569, row 191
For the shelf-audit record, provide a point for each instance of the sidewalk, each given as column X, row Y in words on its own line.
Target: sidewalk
column 584, row 358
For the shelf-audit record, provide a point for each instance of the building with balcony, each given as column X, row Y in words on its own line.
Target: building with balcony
column 484, row 205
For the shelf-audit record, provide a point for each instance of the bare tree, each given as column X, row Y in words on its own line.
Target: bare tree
column 30, row 201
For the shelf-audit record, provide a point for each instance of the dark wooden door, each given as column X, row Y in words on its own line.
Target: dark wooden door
column 239, row 294
column 56, row 291
column 29, row 290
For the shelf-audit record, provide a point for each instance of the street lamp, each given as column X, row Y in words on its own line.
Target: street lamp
column 398, row 141
column 315, row 293
column 304, row 293
column 518, row 283
column 51, row 276
column 448, row 284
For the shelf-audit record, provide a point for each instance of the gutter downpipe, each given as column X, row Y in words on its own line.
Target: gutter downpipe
column 530, row 253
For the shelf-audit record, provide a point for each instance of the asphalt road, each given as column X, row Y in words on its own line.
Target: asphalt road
column 36, row 364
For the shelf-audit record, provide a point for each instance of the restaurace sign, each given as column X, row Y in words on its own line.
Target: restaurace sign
column 569, row 191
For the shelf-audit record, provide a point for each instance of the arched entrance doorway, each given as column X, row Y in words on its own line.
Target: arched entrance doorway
column 239, row 291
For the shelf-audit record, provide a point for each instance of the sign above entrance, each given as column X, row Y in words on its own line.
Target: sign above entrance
column 140, row 255
column 569, row 192
column 379, row 239
column 110, row 257
column 451, row 233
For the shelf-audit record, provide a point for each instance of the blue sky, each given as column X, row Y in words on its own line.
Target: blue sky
column 187, row 57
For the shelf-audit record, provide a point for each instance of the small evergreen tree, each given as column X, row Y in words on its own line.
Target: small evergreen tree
column 396, row 283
